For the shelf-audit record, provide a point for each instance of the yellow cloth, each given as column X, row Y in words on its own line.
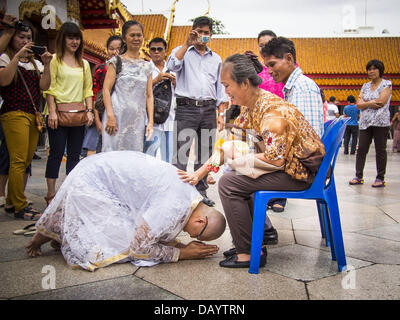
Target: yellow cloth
column 68, row 84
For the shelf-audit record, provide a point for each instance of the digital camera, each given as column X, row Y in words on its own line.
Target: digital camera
column 203, row 39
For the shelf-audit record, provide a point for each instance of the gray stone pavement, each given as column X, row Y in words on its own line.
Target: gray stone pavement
column 299, row 267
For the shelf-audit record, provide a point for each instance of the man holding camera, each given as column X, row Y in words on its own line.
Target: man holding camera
column 198, row 93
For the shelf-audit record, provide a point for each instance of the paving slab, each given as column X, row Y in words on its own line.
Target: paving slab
column 376, row 282
column 205, row 280
column 305, row 263
column 29, row 276
column 122, row 288
column 389, row 232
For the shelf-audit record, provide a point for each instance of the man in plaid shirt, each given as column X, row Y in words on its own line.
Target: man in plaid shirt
column 280, row 57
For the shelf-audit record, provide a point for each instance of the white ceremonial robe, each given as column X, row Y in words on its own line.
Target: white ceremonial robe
column 119, row 206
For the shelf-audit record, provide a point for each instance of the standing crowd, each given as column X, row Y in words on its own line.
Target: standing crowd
column 172, row 103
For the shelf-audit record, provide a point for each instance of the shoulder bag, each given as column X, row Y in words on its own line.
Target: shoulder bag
column 38, row 115
column 72, row 114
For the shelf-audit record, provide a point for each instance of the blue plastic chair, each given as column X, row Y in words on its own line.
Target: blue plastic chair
column 322, row 190
column 327, row 124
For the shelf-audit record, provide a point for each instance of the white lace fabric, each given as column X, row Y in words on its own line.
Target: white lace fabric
column 119, row 206
column 129, row 106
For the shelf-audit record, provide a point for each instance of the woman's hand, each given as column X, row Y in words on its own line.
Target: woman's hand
column 46, row 57
column 111, row 126
column 99, row 125
column 197, row 250
column 90, row 117
column 149, row 131
column 53, row 120
column 191, row 178
column 25, row 51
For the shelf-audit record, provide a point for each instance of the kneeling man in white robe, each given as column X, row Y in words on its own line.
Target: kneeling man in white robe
column 126, row 206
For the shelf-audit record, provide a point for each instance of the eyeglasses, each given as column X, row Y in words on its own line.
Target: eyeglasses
column 202, row 231
column 155, row 49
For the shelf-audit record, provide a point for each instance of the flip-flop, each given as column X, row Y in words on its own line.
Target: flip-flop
column 28, row 228
column 30, row 233
column 380, row 184
column 357, row 181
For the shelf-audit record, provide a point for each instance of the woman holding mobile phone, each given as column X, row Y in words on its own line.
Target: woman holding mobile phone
column 17, row 115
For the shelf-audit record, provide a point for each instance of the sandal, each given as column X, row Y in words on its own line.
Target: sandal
column 12, row 208
column 28, row 212
column 28, row 228
column 378, row 183
column 9, row 209
column 277, row 208
column 356, row 181
column 30, row 233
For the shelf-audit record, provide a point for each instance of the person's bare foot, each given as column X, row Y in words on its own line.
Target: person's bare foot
column 34, row 245
column 55, row 245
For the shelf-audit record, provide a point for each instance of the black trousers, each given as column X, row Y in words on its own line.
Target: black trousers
column 380, row 135
column 351, row 131
column 72, row 138
column 200, row 124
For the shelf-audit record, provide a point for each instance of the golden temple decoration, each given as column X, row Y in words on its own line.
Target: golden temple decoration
column 73, row 10
column 29, row 8
column 171, row 20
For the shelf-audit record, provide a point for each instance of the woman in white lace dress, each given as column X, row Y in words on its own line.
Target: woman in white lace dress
column 129, row 106
column 126, row 206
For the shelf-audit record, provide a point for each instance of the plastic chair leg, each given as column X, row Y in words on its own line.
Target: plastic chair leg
column 336, row 230
column 321, row 219
column 325, row 212
column 260, row 205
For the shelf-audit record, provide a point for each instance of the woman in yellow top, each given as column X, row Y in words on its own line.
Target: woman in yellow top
column 71, row 82
column 290, row 145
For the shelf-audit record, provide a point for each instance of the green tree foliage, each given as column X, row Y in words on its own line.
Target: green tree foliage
column 218, row 26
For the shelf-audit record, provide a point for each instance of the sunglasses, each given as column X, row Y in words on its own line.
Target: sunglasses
column 155, row 49
column 202, row 231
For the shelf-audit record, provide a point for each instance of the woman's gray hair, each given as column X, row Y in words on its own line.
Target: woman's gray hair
column 242, row 67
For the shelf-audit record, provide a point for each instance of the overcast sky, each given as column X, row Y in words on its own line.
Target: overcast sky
column 290, row 18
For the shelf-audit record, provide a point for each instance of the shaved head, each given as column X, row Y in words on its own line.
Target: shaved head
column 216, row 223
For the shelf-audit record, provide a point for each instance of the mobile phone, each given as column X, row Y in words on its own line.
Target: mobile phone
column 39, row 50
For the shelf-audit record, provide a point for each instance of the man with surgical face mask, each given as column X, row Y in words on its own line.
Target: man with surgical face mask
column 198, row 93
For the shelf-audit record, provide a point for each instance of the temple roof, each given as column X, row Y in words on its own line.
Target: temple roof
column 96, row 14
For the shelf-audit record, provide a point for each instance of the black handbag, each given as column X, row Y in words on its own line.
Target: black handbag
column 162, row 93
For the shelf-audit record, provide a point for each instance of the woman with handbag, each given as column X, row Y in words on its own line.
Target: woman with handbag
column 128, row 95
column 287, row 140
column 21, row 79
column 69, row 103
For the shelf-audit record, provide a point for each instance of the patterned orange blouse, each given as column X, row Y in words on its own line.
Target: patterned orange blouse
column 286, row 133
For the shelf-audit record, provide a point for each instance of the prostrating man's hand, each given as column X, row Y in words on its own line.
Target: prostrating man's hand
column 197, row 250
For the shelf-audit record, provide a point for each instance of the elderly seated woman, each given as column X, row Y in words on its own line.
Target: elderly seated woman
column 125, row 206
column 291, row 154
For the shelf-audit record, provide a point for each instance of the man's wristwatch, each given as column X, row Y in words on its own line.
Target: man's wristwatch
column 90, row 110
column 221, row 113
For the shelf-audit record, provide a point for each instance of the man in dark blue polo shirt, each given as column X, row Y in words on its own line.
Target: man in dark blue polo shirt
column 352, row 126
